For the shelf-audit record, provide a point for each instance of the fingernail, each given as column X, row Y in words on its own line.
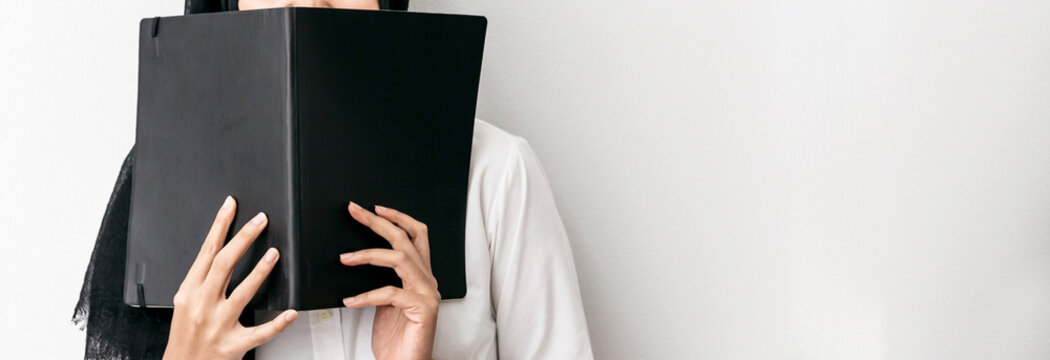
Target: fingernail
column 380, row 208
column 271, row 255
column 228, row 203
column 290, row 316
column 346, row 257
column 259, row 219
column 348, row 301
column 354, row 205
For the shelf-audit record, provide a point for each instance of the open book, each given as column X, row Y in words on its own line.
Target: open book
column 296, row 112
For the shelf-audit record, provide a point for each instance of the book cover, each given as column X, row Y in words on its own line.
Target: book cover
column 295, row 112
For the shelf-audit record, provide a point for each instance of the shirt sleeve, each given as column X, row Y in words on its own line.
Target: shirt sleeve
column 535, row 293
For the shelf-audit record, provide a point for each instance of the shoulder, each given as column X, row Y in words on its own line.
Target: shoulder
column 496, row 151
column 502, row 166
column 493, row 143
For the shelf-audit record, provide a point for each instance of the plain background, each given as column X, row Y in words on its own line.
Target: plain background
column 826, row 179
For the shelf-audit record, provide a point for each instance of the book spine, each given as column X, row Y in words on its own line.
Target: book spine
column 294, row 268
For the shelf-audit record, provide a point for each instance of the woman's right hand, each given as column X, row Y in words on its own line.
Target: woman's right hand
column 204, row 323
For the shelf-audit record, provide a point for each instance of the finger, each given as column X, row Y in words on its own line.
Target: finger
column 397, row 237
column 411, row 226
column 247, row 288
column 226, row 259
column 387, row 295
column 213, row 242
column 415, row 229
column 260, row 334
column 406, row 269
column 393, row 234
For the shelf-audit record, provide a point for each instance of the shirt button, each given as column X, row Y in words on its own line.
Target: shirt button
column 325, row 315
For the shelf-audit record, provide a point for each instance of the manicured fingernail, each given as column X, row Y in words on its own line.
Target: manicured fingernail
column 228, row 203
column 354, row 205
column 290, row 316
column 346, row 257
column 271, row 255
column 259, row 219
column 348, row 301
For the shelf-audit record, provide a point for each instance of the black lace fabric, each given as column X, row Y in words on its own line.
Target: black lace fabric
column 115, row 330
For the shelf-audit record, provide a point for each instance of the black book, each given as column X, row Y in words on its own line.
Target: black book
column 296, row 112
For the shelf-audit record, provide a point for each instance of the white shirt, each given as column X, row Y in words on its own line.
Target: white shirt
column 523, row 299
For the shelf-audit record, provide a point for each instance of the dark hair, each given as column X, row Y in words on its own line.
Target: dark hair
column 206, row 6
column 393, row 4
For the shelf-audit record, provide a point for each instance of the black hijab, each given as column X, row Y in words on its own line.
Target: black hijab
column 204, row 6
column 116, row 330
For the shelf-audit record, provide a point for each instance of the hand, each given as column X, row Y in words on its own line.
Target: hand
column 406, row 318
column 204, row 323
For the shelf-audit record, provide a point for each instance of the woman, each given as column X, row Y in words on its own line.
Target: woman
column 522, row 299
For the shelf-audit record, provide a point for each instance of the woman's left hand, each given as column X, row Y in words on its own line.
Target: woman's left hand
column 406, row 317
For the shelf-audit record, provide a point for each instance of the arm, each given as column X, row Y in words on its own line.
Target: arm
column 539, row 313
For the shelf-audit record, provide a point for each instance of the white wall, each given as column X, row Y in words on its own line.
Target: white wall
column 741, row 179
column 67, row 108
